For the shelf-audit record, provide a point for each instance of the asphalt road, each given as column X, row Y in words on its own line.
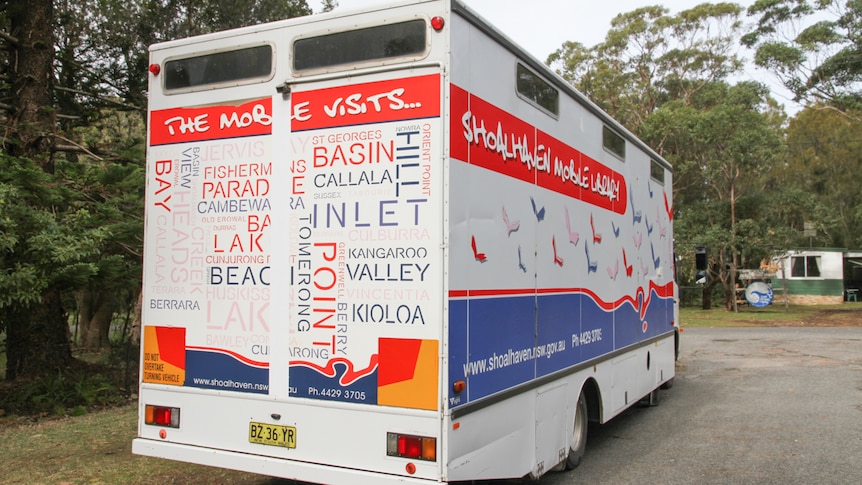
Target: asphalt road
column 776, row 405
column 748, row 406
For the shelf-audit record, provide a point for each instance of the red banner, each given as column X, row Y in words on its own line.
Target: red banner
column 357, row 104
column 181, row 125
column 489, row 137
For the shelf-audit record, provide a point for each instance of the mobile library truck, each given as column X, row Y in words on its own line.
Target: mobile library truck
column 388, row 246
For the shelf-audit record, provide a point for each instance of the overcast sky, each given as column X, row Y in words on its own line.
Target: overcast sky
column 541, row 26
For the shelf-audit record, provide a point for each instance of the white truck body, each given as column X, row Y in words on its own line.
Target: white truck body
column 352, row 257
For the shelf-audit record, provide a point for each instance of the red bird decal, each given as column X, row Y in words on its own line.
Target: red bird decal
column 476, row 254
column 667, row 207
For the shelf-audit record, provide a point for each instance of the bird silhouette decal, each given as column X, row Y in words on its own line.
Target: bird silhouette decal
column 592, row 266
column 557, row 260
column 597, row 236
column 667, row 207
column 628, row 267
column 510, row 226
column 613, row 271
column 480, row 257
column 540, row 213
column 573, row 235
column 636, row 214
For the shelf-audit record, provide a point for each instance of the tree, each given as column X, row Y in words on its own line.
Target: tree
column 329, row 5
column 34, row 318
column 722, row 142
column 814, row 47
column 666, row 78
column 649, row 57
column 823, row 161
column 73, row 92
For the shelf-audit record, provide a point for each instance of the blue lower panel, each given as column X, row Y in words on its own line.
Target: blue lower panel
column 332, row 384
column 499, row 343
column 499, row 331
column 217, row 370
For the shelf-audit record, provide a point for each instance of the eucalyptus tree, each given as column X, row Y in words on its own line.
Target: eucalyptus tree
column 814, row 47
column 724, row 142
column 824, row 160
column 667, row 78
column 649, row 57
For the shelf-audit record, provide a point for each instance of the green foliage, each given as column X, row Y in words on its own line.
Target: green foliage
column 49, row 238
column 74, row 390
column 72, row 223
column 328, row 5
column 812, row 46
column 820, row 175
column 649, row 58
column 665, row 77
column 722, row 142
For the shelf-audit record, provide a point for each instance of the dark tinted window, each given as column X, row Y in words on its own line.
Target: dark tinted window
column 656, row 172
column 614, row 143
column 354, row 46
column 219, row 67
column 538, row 90
column 805, row 267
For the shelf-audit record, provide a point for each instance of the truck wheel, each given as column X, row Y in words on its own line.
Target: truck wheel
column 579, row 434
column 650, row 400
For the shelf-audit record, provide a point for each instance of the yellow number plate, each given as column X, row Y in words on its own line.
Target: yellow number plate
column 272, row 434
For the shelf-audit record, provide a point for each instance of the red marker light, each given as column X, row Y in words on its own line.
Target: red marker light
column 437, row 23
column 162, row 416
column 409, row 446
column 155, row 69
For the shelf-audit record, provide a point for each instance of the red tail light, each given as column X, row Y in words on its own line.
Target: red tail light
column 162, row 416
column 409, row 446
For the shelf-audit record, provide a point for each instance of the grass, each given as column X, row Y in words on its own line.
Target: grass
column 773, row 315
column 94, row 449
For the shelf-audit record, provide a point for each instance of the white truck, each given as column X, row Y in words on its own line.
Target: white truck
column 388, row 246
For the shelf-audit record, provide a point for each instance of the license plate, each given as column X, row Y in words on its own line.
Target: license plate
column 272, row 434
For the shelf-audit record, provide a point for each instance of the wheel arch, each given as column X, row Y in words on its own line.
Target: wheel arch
column 594, row 400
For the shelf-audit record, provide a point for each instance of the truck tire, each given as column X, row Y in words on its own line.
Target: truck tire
column 579, row 434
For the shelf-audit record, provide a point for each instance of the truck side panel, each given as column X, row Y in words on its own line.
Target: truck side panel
column 560, row 263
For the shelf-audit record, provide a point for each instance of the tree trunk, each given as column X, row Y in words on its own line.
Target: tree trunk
column 85, row 315
column 135, row 332
column 714, row 272
column 32, row 115
column 95, row 313
column 101, row 325
column 38, row 339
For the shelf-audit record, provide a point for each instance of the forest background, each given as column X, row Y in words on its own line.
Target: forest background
column 748, row 177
